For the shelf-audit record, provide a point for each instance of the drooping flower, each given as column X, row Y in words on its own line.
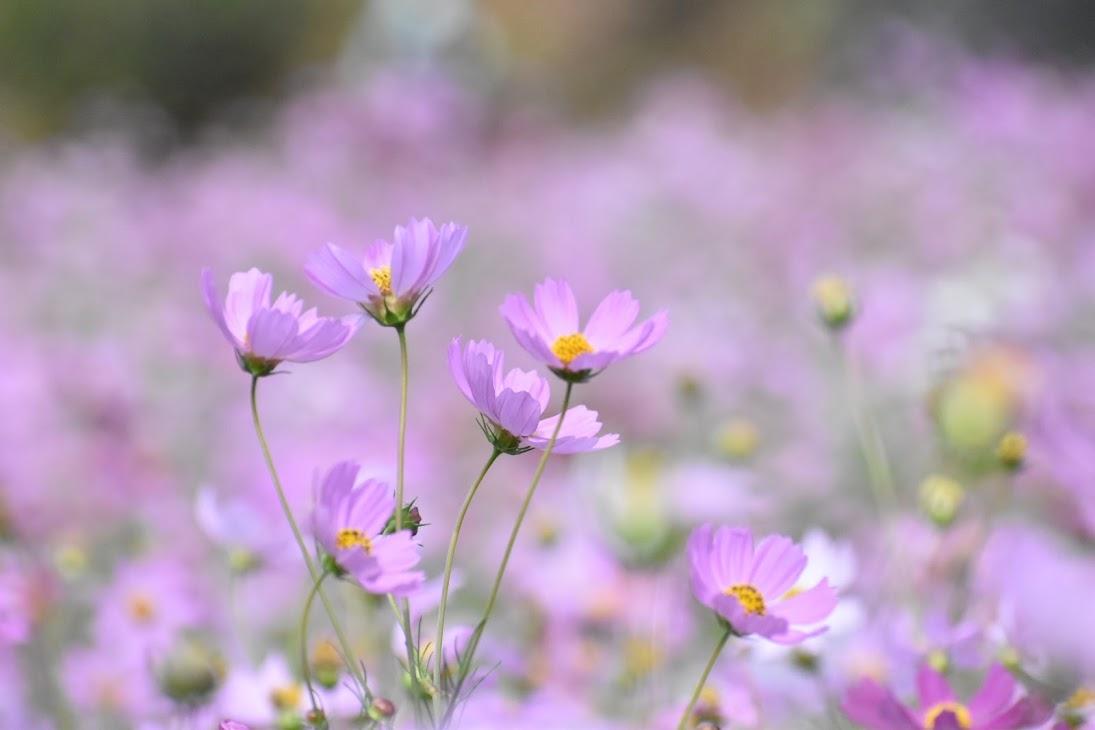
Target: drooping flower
column 550, row 330
column 513, row 403
column 264, row 334
column 349, row 521
column 393, row 277
column 750, row 587
column 993, row 707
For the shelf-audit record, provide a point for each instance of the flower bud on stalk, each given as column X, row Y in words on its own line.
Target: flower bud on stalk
column 834, row 301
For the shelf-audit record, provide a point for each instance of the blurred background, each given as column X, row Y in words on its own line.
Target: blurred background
column 873, row 225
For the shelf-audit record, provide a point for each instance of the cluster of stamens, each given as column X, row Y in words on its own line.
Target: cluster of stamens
column 141, row 608
column 349, row 537
column 961, row 714
column 569, row 347
column 382, row 277
column 749, row 597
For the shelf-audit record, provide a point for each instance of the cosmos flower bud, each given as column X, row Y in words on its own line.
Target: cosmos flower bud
column 326, row 664
column 412, row 520
column 381, row 709
column 1011, row 451
column 316, row 718
column 190, row 672
column 834, row 301
column 737, row 439
column 941, row 497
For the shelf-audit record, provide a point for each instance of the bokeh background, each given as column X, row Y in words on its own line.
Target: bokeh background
column 716, row 158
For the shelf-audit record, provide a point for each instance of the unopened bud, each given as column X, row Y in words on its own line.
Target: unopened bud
column 940, row 498
column 412, row 520
column 316, row 718
column 1012, row 450
column 381, row 709
column 190, row 672
column 938, row 660
column 737, row 438
column 834, row 301
column 326, row 664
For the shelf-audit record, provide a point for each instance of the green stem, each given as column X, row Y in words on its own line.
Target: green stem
column 880, row 475
column 473, row 640
column 703, row 679
column 344, row 643
column 439, row 638
column 401, row 451
column 305, row 669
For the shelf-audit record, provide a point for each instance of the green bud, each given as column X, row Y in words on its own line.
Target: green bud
column 834, row 302
column 1011, row 451
column 941, row 497
column 190, row 672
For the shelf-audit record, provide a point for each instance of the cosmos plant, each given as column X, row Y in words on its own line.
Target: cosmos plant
column 363, row 531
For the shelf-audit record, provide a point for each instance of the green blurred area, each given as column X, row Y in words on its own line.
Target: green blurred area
column 193, row 58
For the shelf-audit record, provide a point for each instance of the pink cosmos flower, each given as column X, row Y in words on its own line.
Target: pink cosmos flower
column 264, row 334
column 549, row 329
column 349, row 521
column 993, row 707
column 750, row 586
column 392, row 277
column 514, row 402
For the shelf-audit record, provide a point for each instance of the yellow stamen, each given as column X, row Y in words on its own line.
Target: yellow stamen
column 749, row 597
column 286, row 698
column 382, row 277
column 568, row 347
column 960, row 712
column 141, row 608
column 1081, row 699
column 349, row 537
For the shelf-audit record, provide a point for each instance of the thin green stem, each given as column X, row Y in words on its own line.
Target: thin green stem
column 344, row 643
column 305, row 668
column 402, row 446
column 439, row 638
column 473, row 640
column 401, row 451
column 880, row 475
column 703, row 679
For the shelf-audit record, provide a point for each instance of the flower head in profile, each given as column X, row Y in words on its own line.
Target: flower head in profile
column 549, row 329
column 264, row 334
column 350, row 521
column 750, row 586
column 394, row 277
column 512, row 404
column 993, row 707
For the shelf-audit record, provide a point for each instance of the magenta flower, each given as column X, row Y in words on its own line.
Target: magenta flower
column 750, row 587
column 993, row 707
column 264, row 334
column 513, row 404
column 392, row 277
column 549, row 329
column 350, row 521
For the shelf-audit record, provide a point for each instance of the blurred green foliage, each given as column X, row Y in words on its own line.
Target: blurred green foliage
column 187, row 57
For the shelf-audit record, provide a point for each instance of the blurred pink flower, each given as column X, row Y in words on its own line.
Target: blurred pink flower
column 748, row 587
column 993, row 707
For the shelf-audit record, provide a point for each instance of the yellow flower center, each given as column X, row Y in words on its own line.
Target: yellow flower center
column 350, row 537
column 326, row 656
column 568, row 347
column 382, row 277
column 960, row 712
column 749, row 597
column 141, row 608
column 286, row 698
column 1080, row 699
